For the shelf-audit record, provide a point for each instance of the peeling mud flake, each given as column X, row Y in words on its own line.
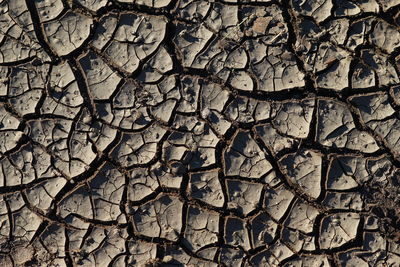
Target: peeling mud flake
column 294, row 118
column 385, row 36
column 159, row 218
column 245, row 158
column 135, row 39
column 207, row 188
column 304, row 169
column 319, row 10
column 277, row 201
column 201, row 229
column 93, row 5
column 243, row 196
column 69, row 33
column 302, row 217
column 101, row 79
column 336, row 127
column 338, row 229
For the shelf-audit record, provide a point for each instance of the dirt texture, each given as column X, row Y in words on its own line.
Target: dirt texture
column 199, row 133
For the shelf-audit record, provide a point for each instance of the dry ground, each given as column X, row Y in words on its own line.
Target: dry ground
column 199, row 133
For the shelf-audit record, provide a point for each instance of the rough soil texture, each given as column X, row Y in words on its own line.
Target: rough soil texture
column 199, row 133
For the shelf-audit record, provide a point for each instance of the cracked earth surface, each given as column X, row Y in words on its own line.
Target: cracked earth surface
column 199, row 133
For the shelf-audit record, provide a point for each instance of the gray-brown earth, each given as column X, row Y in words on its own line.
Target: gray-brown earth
column 199, row 133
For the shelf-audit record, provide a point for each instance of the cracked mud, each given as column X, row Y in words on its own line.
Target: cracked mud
column 199, row 133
